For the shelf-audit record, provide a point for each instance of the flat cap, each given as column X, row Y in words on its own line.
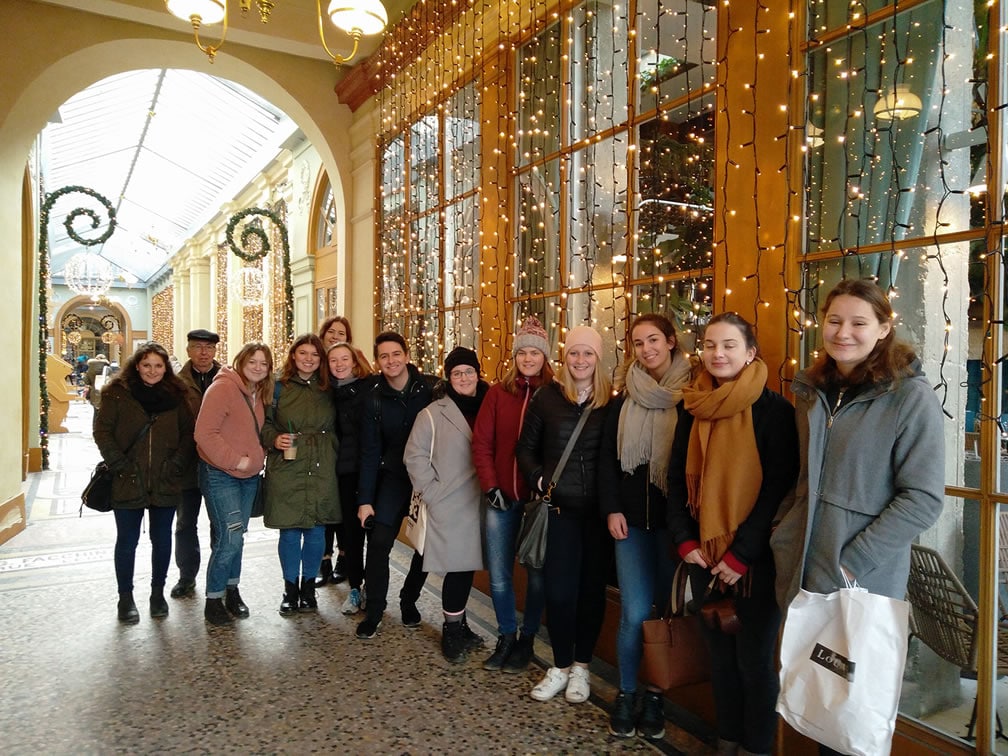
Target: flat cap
column 202, row 334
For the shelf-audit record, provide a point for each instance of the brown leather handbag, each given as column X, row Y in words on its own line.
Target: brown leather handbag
column 675, row 653
column 717, row 610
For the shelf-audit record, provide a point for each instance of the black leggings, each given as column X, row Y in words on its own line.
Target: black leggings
column 455, row 589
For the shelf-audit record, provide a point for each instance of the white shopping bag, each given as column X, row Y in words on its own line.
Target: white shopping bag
column 842, row 658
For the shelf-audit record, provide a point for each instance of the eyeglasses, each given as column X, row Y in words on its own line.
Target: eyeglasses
column 463, row 373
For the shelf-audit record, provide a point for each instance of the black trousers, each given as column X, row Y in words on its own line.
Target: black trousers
column 380, row 541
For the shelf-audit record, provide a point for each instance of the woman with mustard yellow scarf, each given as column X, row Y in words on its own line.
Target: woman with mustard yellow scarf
column 734, row 458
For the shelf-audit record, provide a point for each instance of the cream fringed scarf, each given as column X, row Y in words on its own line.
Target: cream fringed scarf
column 648, row 420
column 723, row 469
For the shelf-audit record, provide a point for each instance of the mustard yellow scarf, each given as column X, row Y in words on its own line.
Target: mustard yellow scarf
column 723, row 470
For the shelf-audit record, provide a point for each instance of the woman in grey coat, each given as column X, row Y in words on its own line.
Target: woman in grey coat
column 872, row 472
column 438, row 457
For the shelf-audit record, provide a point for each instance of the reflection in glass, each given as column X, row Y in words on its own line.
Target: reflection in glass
column 539, row 96
column 598, row 204
column 597, row 67
column 677, row 52
column 462, row 142
column 538, row 268
column 424, row 190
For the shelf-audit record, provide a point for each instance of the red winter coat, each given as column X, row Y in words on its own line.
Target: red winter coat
column 495, row 434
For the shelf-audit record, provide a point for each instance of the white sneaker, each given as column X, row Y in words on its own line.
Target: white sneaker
column 352, row 605
column 579, row 685
column 554, row 682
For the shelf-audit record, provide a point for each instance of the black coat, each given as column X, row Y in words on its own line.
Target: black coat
column 632, row 494
column 386, row 421
column 349, row 408
column 549, row 422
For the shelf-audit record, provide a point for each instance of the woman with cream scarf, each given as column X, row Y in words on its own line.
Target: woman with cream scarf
column 633, row 487
column 734, row 458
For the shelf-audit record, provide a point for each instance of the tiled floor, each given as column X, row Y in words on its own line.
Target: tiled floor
column 74, row 680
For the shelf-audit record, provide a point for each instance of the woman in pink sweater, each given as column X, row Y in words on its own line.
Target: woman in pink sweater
column 231, row 458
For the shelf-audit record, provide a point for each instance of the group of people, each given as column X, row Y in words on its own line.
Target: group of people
column 677, row 461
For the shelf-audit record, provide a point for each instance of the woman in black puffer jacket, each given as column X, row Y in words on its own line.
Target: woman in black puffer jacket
column 352, row 379
column 575, row 568
column 144, row 431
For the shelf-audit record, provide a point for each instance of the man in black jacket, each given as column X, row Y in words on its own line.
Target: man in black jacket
column 384, row 488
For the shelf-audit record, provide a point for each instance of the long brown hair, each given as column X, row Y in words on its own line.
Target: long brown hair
column 265, row 388
column 660, row 322
column 130, row 376
column 328, row 323
column 290, row 369
column 891, row 358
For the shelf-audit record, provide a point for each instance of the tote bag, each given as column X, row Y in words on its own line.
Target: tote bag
column 842, row 659
column 416, row 515
column 674, row 652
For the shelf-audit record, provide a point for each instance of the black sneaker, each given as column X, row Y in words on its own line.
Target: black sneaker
column 127, row 610
column 410, row 614
column 453, row 642
column 505, row 643
column 621, row 720
column 472, row 641
column 520, row 656
column 183, row 588
column 216, row 613
column 368, row 628
column 651, row 724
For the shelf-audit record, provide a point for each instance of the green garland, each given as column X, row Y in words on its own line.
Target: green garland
column 250, row 231
column 48, row 200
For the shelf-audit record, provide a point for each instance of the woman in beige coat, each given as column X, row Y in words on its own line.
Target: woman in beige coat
column 438, row 458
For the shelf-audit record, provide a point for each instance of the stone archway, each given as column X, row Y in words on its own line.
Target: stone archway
column 54, row 52
column 86, row 309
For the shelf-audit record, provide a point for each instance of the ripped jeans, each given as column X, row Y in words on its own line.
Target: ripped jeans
column 229, row 504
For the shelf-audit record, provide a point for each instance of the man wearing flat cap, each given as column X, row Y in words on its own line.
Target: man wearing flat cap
column 198, row 372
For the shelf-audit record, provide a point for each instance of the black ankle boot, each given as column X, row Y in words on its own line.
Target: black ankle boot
column 339, row 570
column 289, row 604
column 308, row 602
column 520, row 656
column 453, row 643
column 216, row 613
column 325, row 573
column 472, row 641
column 158, row 605
column 234, row 604
column 505, row 643
column 128, row 613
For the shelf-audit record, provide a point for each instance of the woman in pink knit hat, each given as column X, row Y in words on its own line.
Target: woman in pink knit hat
column 498, row 424
column 574, row 572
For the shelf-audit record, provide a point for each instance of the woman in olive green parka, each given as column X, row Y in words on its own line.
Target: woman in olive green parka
column 302, row 496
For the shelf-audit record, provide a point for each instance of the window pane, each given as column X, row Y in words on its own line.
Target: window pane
column 425, row 263
column 606, row 312
column 462, row 142
column 462, row 247
column 686, row 302
column 423, row 176
column 539, row 96
column 675, row 196
column 878, row 165
column 393, row 170
column 392, row 304
column 597, row 213
column 462, row 329
column 676, row 48
column 538, row 251
column 597, row 68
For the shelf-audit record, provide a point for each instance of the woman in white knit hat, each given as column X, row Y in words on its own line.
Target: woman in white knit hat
column 574, row 572
column 498, row 424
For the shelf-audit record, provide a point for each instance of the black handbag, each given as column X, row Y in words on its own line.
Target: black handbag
column 97, row 494
column 531, row 549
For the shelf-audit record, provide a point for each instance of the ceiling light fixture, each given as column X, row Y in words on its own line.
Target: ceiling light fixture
column 898, row 104
column 356, row 18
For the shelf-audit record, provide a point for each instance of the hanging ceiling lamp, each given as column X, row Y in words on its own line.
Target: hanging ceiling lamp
column 356, row 18
column 898, row 104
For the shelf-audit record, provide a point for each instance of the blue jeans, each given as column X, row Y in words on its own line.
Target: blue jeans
column 128, row 523
column 301, row 552
column 501, row 539
column 644, row 569
column 229, row 506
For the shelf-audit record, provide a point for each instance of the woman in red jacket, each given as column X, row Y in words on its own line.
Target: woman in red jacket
column 231, row 458
column 494, row 437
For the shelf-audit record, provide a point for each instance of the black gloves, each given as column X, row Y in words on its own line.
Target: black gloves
column 495, row 499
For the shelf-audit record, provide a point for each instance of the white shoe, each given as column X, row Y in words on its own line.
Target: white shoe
column 554, row 682
column 352, row 605
column 579, row 685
